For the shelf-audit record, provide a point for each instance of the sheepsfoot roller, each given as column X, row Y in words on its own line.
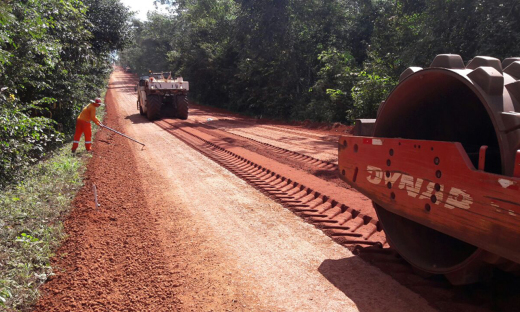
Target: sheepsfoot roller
column 441, row 164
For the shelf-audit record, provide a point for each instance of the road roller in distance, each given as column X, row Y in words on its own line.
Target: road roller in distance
column 441, row 164
column 159, row 95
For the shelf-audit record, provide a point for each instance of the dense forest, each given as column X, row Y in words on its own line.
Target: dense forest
column 55, row 55
column 326, row 60
column 323, row 60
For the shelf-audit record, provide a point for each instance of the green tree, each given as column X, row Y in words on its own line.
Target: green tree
column 51, row 64
column 328, row 60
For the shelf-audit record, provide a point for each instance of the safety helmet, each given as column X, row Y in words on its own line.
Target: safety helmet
column 97, row 101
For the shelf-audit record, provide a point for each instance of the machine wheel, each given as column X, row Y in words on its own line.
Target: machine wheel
column 433, row 252
column 141, row 112
column 153, row 111
column 451, row 102
column 182, row 107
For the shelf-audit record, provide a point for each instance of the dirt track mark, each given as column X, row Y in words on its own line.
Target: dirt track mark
column 344, row 224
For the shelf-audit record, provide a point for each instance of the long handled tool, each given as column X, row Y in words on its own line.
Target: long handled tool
column 122, row 135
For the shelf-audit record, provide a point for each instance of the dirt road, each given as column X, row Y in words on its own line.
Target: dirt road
column 177, row 231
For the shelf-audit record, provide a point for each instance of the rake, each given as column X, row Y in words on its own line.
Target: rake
column 126, row 136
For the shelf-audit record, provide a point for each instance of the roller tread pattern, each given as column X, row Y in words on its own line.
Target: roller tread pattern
column 318, row 163
column 318, row 209
column 344, row 225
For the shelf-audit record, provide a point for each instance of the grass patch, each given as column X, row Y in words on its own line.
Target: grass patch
column 31, row 214
column 31, row 228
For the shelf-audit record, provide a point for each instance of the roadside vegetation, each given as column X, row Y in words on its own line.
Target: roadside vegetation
column 55, row 55
column 333, row 60
column 30, row 227
column 31, row 215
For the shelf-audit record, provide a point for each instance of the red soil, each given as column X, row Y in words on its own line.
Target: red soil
column 177, row 232
column 106, row 263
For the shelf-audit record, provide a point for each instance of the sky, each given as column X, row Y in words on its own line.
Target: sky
column 140, row 6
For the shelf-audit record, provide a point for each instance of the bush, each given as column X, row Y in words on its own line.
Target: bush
column 30, row 227
column 55, row 55
column 23, row 139
column 368, row 93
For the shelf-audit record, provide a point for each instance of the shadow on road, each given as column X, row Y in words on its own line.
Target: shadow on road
column 126, row 89
column 137, row 118
column 499, row 294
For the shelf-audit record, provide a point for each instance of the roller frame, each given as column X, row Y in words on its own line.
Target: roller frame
column 477, row 207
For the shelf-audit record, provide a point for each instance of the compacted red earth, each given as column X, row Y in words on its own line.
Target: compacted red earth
column 111, row 260
column 175, row 231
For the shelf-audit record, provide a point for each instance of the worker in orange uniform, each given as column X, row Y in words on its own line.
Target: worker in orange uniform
column 87, row 115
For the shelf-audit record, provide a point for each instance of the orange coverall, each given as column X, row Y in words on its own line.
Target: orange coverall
column 87, row 115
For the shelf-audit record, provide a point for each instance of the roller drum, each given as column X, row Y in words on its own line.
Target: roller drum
column 476, row 104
